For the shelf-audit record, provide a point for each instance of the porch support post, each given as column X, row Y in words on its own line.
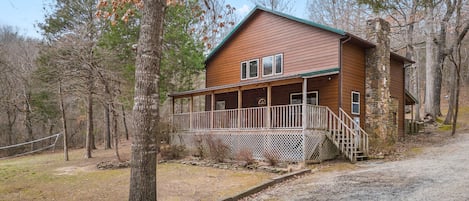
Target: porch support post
column 212, row 105
column 269, row 100
column 191, row 110
column 305, row 93
column 240, row 105
column 172, row 113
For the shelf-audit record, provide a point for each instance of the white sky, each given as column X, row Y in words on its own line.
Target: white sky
column 25, row 14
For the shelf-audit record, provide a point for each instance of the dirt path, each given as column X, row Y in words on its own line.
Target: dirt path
column 439, row 173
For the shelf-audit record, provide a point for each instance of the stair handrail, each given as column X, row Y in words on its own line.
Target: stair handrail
column 351, row 153
column 363, row 145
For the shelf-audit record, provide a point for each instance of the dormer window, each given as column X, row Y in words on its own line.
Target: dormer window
column 272, row 65
column 249, row 69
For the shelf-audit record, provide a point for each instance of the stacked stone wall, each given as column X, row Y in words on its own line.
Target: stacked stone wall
column 381, row 110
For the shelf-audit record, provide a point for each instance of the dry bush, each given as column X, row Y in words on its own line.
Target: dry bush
column 246, row 156
column 173, row 152
column 219, row 151
column 199, row 146
column 272, row 157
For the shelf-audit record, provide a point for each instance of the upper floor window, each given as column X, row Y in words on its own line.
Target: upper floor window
column 355, row 102
column 249, row 69
column 272, row 65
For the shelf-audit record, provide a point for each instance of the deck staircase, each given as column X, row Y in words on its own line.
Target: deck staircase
column 347, row 136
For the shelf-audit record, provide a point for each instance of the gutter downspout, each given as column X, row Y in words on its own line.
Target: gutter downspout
column 347, row 38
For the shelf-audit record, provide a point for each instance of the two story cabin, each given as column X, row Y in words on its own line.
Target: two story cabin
column 286, row 86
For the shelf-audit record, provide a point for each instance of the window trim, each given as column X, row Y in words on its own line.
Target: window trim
column 274, row 65
column 248, row 69
column 281, row 65
column 301, row 93
column 352, row 103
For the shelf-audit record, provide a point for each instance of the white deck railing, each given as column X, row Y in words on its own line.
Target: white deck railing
column 286, row 116
column 346, row 134
column 362, row 136
column 281, row 117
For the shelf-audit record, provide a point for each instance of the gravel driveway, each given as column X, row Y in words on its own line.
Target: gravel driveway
column 438, row 173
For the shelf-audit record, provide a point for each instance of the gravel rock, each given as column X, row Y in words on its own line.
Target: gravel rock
column 438, row 173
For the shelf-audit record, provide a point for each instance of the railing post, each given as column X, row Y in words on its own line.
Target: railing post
column 240, row 105
column 191, row 111
column 304, row 113
column 305, row 93
column 269, row 100
column 172, row 114
column 212, row 105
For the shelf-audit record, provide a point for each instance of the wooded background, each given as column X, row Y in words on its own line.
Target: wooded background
column 80, row 75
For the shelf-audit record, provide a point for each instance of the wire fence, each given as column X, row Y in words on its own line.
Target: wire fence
column 30, row 147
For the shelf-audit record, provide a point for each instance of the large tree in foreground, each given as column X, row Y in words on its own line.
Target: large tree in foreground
column 146, row 99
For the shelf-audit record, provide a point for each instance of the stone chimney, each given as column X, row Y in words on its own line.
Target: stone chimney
column 380, row 122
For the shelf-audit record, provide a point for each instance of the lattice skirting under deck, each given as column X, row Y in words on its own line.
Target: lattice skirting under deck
column 286, row 144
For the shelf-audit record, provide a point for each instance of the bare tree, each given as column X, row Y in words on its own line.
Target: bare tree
column 456, row 57
column 285, row 6
column 347, row 15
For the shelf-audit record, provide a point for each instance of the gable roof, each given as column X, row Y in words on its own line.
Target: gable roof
column 251, row 14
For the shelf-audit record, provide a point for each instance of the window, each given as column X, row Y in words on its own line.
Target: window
column 278, row 63
column 311, row 98
column 272, row 65
column 267, row 63
column 249, row 69
column 355, row 102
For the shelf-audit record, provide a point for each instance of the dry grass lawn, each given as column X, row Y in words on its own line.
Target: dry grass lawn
column 47, row 177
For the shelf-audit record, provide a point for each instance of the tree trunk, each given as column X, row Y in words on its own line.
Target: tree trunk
column 11, row 123
column 410, row 53
column 64, row 122
column 456, row 110
column 89, row 129
column 430, row 64
column 114, row 131
column 107, row 132
column 146, row 108
column 124, row 121
column 27, row 119
column 452, row 97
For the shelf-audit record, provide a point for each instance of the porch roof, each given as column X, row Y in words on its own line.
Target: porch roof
column 410, row 99
column 250, row 84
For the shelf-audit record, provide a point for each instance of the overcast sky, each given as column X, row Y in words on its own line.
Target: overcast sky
column 25, row 14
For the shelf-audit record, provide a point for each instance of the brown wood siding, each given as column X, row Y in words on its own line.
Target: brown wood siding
column 230, row 98
column 353, row 78
column 327, row 91
column 252, row 96
column 397, row 91
column 304, row 48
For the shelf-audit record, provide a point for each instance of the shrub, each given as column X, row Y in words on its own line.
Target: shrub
column 272, row 157
column 246, row 156
column 199, row 145
column 172, row 152
column 219, row 151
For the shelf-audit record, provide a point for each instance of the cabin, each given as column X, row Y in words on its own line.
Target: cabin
column 303, row 91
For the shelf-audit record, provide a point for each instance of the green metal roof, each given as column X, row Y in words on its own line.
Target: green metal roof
column 251, row 13
column 320, row 72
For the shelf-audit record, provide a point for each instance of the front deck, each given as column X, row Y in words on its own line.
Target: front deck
column 285, row 130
